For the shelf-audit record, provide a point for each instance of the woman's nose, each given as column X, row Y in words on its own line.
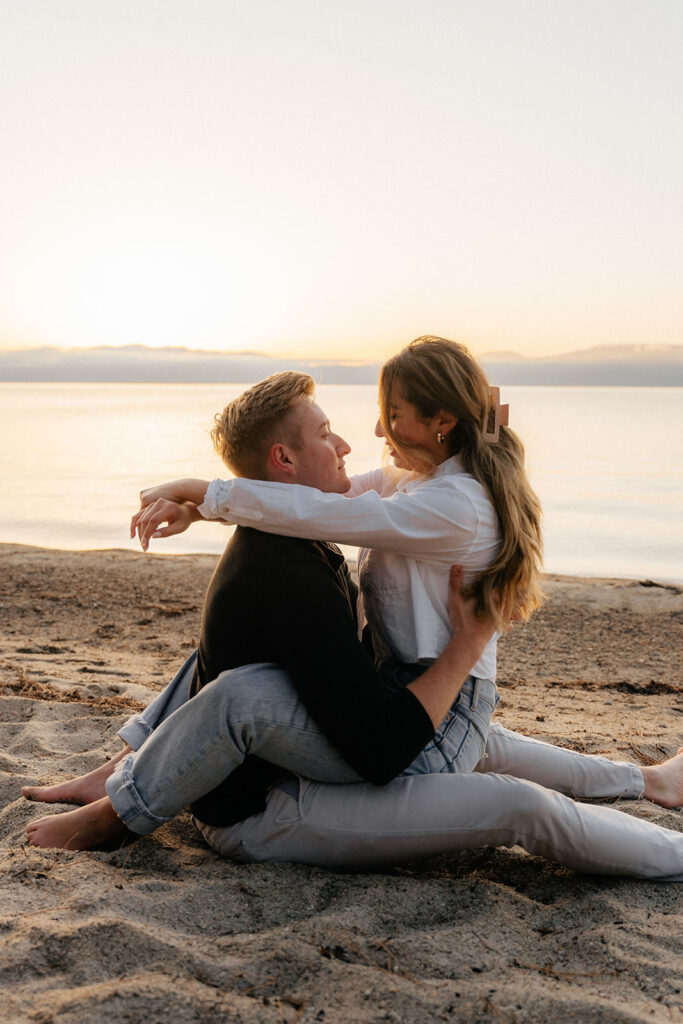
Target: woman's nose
column 378, row 429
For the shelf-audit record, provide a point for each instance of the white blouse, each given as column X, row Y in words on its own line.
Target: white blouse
column 411, row 529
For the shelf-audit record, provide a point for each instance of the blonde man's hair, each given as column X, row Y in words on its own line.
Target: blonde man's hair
column 262, row 415
column 436, row 375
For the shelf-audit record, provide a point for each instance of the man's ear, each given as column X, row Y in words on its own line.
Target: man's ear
column 280, row 462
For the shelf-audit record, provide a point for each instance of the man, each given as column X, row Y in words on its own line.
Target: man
column 282, row 601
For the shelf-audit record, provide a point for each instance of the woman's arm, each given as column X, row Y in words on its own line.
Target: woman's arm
column 375, row 480
column 165, row 504
column 174, row 503
column 188, row 489
column 434, row 522
column 178, row 516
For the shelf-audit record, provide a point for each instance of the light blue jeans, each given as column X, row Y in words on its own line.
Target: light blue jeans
column 184, row 748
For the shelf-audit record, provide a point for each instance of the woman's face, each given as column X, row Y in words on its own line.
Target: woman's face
column 409, row 428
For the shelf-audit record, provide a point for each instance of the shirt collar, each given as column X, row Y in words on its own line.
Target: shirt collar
column 449, row 467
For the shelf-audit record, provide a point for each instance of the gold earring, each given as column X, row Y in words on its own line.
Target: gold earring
column 441, row 438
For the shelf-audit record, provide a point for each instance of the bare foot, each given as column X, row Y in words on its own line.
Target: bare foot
column 96, row 826
column 664, row 782
column 84, row 789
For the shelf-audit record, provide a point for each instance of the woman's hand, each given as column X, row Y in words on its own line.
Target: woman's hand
column 190, row 489
column 148, row 520
column 468, row 625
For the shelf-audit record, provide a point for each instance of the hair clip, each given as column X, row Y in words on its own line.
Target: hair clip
column 496, row 417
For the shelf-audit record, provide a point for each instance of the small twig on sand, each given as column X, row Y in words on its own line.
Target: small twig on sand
column 645, row 758
column 490, row 1007
column 51, row 910
column 353, row 947
column 551, row 972
column 254, row 988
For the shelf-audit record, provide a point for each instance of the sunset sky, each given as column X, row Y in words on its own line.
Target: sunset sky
column 334, row 177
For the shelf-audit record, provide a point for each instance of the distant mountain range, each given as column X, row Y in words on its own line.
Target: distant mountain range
column 622, row 365
column 618, row 365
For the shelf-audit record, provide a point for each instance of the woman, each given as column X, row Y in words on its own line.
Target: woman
column 435, row 411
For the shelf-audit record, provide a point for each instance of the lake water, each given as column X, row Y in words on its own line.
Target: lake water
column 605, row 462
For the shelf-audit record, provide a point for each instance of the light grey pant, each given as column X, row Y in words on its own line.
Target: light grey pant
column 365, row 826
column 184, row 748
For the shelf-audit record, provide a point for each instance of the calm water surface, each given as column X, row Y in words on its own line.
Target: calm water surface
column 606, row 463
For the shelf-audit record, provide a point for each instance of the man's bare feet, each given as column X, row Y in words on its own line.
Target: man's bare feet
column 664, row 782
column 84, row 789
column 96, row 826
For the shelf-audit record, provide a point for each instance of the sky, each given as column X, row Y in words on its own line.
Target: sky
column 331, row 178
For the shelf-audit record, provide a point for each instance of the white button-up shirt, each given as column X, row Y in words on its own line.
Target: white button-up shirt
column 411, row 530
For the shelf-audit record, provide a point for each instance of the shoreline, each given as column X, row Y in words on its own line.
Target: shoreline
column 672, row 583
column 166, row 930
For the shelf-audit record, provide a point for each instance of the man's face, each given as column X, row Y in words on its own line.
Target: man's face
column 319, row 458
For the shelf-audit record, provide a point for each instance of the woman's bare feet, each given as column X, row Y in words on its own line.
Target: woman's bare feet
column 84, row 789
column 96, row 826
column 664, row 782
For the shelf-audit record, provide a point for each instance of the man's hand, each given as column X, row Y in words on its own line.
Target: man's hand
column 190, row 489
column 148, row 520
column 468, row 627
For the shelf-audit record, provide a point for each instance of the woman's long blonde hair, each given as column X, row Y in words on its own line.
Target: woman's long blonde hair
column 436, row 375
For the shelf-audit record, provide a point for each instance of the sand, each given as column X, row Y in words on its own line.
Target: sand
column 164, row 930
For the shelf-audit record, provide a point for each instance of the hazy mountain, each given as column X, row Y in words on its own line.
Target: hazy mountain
column 137, row 363
column 627, row 353
column 618, row 365
column 599, row 354
column 604, row 365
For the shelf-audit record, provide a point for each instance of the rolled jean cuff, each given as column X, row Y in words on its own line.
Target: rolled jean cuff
column 128, row 804
column 135, row 731
column 638, row 784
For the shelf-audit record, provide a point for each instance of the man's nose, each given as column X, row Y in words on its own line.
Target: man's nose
column 342, row 446
column 378, row 429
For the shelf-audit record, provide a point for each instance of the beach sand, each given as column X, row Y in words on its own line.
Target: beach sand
column 164, row 930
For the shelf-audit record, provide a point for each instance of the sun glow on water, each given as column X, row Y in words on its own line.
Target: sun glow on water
column 604, row 462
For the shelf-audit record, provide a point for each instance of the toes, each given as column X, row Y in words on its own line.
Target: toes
column 33, row 792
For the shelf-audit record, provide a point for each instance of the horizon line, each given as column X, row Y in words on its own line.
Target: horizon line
column 493, row 355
